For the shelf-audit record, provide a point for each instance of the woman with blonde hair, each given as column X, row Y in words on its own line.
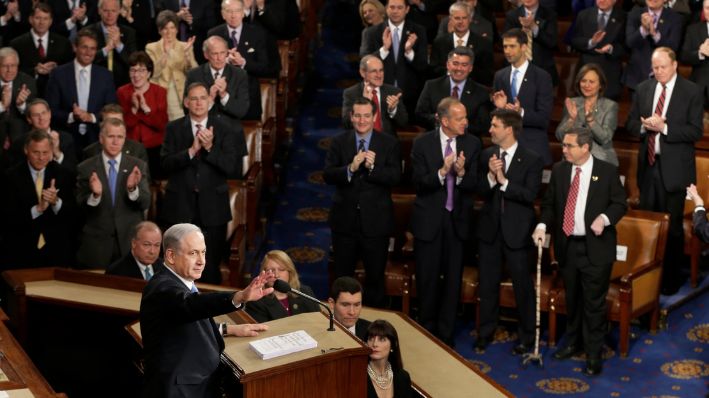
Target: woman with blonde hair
column 172, row 59
column 280, row 305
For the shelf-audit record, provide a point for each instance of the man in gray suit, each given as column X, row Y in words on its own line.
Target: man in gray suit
column 391, row 111
column 113, row 194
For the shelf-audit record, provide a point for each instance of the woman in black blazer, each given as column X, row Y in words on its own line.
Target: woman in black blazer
column 280, row 305
column 387, row 377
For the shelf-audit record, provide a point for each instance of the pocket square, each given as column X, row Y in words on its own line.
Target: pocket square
column 250, row 50
column 594, row 178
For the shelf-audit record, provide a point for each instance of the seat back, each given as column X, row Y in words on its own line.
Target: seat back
column 643, row 234
column 701, row 158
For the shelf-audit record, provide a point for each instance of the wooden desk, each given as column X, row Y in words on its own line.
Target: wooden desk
column 435, row 369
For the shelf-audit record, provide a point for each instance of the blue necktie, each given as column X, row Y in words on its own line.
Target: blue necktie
column 112, row 174
column 395, row 43
column 513, row 85
column 148, row 273
column 450, row 179
column 194, row 289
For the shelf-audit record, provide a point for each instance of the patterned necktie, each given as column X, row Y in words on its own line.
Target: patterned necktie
column 459, row 43
column 450, row 178
column 378, row 114
column 148, row 273
column 360, row 147
column 199, row 129
column 454, row 94
column 216, row 76
column 570, row 209
column 530, row 38
column 602, row 20
column 395, row 43
column 513, row 84
column 652, row 136
column 112, row 174
column 38, row 185
column 40, row 49
column 234, row 40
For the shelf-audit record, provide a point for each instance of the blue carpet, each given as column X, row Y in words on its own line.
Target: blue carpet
column 673, row 363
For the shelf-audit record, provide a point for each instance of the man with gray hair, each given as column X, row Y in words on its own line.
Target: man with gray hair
column 116, row 42
column 181, row 341
column 16, row 90
column 391, row 112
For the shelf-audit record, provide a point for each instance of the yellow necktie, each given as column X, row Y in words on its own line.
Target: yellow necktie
column 38, row 185
column 530, row 37
column 459, row 43
column 110, row 60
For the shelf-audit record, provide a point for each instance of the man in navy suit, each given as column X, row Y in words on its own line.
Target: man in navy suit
column 345, row 301
column 181, row 341
column 667, row 115
column 199, row 152
column 582, row 205
column 77, row 91
column 456, row 83
column 144, row 260
column 527, row 89
column 647, row 29
column 510, row 176
column 363, row 165
column 444, row 174
column 70, row 18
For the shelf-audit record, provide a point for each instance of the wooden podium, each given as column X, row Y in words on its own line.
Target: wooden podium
column 336, row 367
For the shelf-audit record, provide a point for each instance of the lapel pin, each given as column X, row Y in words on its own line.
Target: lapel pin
column 295, row 306
column 662, row 21
column 594, row 178
column 246, row 43
column 613, row 20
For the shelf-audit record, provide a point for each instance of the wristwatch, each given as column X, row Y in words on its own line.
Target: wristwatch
column 223, row 327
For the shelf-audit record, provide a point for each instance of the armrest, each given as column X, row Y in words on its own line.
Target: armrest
column 627, row 279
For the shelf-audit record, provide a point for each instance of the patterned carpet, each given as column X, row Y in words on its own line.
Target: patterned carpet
column 673, row 363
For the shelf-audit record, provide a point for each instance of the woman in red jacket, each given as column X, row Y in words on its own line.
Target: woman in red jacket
column 144, row 109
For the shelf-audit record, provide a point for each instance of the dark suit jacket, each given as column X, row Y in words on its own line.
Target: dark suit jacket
column 389, row 124
column 474, row 96
column 58, row 50
column 402, row 385
column 362, row 328
column 130, row 147
column 62, row 95
column 66, row 145
column 128, row 266
column 483, row 68
column 61, row 12
column 426, row 159
column 544, row 44
column 479, row 25
column 57, row 228
column 536, row 98
column 670, row 27
column 206, row 173
column 585, row 26
column 606, row 196
column 237, row 87
column 106, row 221
column 181, row 342
column 701, row 226
column 367, row 195
column 684, row 128
column 120, row 59
column 695, row 36
column 518, row 218
column 281, row 18
column 12, row 122
column 269, row 308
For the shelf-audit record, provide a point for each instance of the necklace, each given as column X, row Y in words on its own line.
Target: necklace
column 382, row 381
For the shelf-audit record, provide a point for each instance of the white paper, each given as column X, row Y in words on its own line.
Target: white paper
column 276, row 346
column 546, row 176
column 621, row 253
column 622, row 180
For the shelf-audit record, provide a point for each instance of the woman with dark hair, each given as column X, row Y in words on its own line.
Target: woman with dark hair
column 280, row 305
column 593, row 111
column 144, row 107
column 172, row 58
column 387, row 377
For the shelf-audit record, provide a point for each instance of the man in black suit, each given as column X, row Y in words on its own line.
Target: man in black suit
column 695, row 52
column 345, row 301
column 363, row 165
column 16, row 90
column 41, row 49
column 115, row 42
column 69, row 19
column 39, row 117
column 539, row 25
column 181, row 342
column 444, row 165
column 527, row 89
column 667, row 116
column 13, row 19
column 580, row 209
column 390, row 111
column 457, row 83
column 402, row 46
column 144, row 260
column 38, row 208
column 196, row 18
column 599, row 35
column 248, row 50
column 199, row 152
column 462, row 36
column 279, row 17
column 130, row 147
column 228, row 84
column 478, row 22
column 510, row 176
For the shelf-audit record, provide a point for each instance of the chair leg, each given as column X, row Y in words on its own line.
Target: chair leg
column 552, row 327
column 654, row 317
column 624, row 333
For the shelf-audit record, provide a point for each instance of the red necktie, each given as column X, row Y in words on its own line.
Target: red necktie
column 652, row 137
column 570, row 208
column 455, row 92
column 378, row 115
column 40, row 49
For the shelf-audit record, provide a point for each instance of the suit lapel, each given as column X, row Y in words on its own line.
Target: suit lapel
column 593, row 185
column 565, row 179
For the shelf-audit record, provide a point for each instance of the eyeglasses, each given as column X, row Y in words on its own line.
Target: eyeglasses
column 137, row 70
column 569, row 146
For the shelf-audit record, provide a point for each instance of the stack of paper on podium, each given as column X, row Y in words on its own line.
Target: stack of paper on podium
column 284, row 344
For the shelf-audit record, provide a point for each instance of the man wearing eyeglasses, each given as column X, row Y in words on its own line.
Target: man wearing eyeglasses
column 363, row 166
column 144, row 260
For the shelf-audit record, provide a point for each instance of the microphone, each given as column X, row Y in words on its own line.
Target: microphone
column 283, row 287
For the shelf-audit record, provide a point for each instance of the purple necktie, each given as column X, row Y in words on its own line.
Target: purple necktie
column 450, row 178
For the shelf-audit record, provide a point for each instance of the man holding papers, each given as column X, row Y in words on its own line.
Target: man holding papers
column 182, row 344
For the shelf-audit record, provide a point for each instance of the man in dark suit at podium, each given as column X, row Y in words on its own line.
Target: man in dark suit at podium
column 181, row 342
column 144, row 260
column 345, row 301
